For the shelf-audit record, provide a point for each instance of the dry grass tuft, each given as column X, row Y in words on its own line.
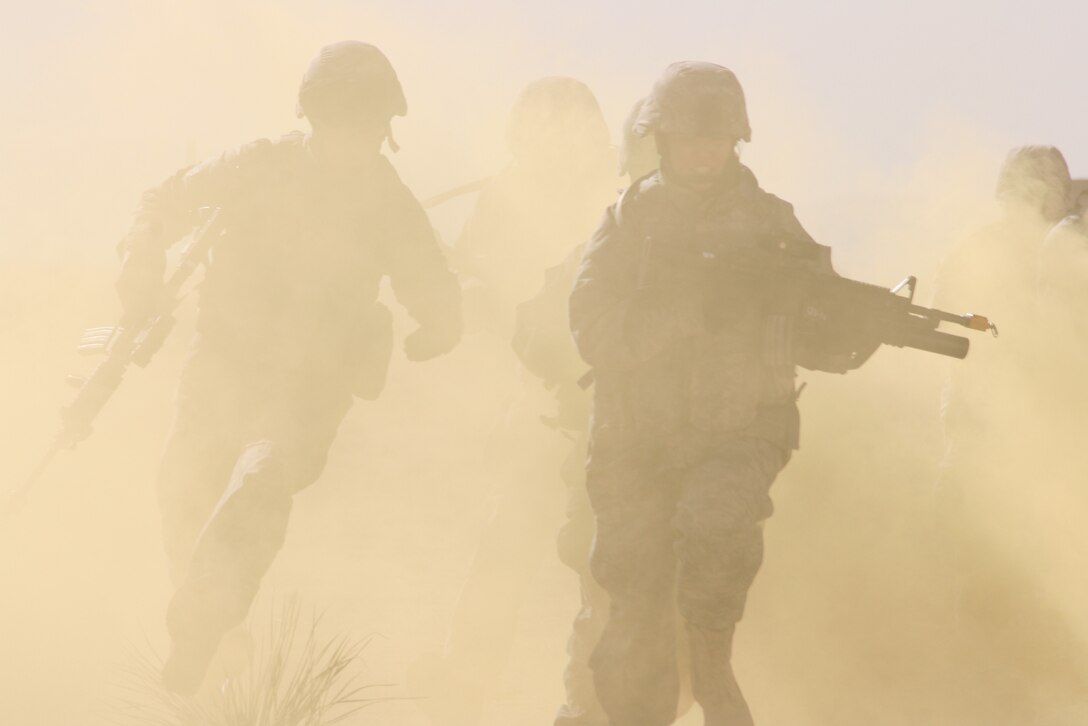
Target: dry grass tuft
column 289, row 681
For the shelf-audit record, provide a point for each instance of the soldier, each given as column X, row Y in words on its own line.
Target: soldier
column 543, row 343
column 526, row 219
column 694, row 409
column 289, row 328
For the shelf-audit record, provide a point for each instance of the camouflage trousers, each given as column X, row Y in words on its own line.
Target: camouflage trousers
column 243, row 443
column 574, row 543
column 670, row 540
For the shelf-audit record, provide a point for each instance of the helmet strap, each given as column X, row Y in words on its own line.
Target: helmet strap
column 393, row 145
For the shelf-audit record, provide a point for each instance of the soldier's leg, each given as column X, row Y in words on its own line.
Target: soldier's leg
column 574, row 543
column 720, row 548
column 634, row 663
column 200, row 453
column 245, row 531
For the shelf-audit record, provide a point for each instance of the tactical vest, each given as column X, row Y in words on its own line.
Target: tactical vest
column 738, row 377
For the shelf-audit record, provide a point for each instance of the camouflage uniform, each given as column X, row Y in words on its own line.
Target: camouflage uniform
column 526, row 220
column 529, row 216
column 543, row 342
column 694, row 413
column 289, row 328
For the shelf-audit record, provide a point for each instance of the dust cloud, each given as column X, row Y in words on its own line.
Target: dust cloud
column 857, row 615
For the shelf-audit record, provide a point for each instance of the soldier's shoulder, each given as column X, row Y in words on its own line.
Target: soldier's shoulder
column 766, row 202
column 392, row 187
column 1074, row 224
column 776, row 213
column 265, row 151
column 644, row 197
column 287, row 146
column 777, row 206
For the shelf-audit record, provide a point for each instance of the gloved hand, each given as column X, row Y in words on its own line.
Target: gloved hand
column 863, row 350
column 429, row 342
column 839, row 358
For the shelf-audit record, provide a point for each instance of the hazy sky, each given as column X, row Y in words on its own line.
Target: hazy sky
column 845, row 97
column 880, row 71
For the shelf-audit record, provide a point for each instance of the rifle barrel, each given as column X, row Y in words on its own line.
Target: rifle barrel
column 969, row 320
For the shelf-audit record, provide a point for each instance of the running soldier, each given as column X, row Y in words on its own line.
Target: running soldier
column 694, row 409
column 289, row 330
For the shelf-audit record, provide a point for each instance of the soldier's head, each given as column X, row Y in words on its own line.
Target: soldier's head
column 351, row 89
column 556, row 122
column 638, row 154
column 1035, row 180
column 697, row 115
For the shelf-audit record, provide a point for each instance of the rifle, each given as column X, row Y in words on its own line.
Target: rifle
column 833, row 313
column 829, row 312
column 838, row 309
column 122, row 346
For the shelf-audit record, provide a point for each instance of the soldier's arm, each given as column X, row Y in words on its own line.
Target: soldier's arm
column 813, row 356
column 165, row 214
column 619, row 318
column 422, row 281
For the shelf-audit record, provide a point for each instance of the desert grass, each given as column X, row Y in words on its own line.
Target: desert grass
column 294, row 677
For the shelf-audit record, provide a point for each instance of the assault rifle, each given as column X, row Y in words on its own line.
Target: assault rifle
column 832, row 312
column 123, row 347
column 829, row 312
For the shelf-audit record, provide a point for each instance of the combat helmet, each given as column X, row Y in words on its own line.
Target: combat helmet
column 555, row 114
column 350, row 81
column 1036, row 177
column 693, row 97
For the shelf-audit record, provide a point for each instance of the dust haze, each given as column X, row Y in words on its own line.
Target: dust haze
column 853, row 618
